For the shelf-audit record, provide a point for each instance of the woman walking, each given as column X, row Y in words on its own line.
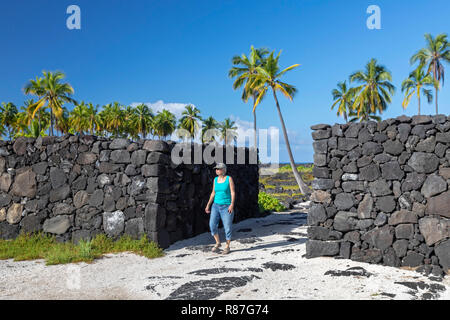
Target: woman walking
column 223, row 196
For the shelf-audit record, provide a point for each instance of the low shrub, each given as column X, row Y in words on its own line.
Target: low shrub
column 269, row 203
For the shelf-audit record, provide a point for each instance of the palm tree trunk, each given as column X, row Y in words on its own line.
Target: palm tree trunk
column 436, row 86
column 303, row 187
column 254, row 122
column 437, row 92
column 419, row 102
column 254, row 128
column 144, row 134
column 51, row 122
column 39, row 121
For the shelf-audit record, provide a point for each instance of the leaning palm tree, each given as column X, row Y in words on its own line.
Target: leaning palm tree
column 164, row 123
column 54, row 93
column 190, row 121
column 416, row 84
column 343, row 97
column 228, row 131
column 268, row 77
column 210, row 129
column 9, row 118
column 374, row 93
column 243, row 69
column 436, row 52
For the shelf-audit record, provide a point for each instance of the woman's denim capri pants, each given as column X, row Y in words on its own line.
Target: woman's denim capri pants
column 220, row 212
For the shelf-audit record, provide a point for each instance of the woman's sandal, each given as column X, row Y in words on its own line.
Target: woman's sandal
column 216, row 249
column 226, row 250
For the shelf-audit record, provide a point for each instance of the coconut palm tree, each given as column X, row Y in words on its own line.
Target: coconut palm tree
column 79, row 118
column 190, row 121
column 210, row 129
column 243, row 69
column 142, row 119
column 62, row 125
column 343, row 97
column 103, row 116
column 26, row 114
column 375, row 91
column 268, row 77
column 35, row 87
column 364, row 114
column 114, row 118
column 416, row 84
column 436, row 52
column 93, row 118
column 54, row 93
column 25, row 121
column 128, row 129
column 164, row 123
column 8, row 118
column 31, row 130
column 228, row 131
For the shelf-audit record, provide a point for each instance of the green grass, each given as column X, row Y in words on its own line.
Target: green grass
column 40, row 246
column 290, row 187
column 284, row 180
column 264, row 180
column 301, row 169
column 281, row 195
column 297, row 195
column 307, row 177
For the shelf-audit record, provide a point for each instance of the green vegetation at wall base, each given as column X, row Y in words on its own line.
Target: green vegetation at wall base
column 43, row 246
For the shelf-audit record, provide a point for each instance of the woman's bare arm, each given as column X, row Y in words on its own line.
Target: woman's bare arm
column 211, row 199
column 233, row 196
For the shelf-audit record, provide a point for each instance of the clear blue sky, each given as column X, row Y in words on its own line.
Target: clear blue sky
column 180, row 52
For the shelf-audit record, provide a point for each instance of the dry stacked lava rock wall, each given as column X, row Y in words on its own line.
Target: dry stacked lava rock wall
column 77, row 187
column 382, row 192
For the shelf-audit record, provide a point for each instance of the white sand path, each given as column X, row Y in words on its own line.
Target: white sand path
column 265, row 263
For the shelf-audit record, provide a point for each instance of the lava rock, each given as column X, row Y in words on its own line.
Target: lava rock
column 315, row 248
column 57, row 225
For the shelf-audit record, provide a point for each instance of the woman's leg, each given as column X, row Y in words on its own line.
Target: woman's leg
column 214, row 223
column 227, row 220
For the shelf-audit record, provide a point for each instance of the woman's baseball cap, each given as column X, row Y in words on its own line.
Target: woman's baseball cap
column 220, row 166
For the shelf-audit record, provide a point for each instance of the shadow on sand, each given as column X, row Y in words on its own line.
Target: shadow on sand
column 252, row 232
